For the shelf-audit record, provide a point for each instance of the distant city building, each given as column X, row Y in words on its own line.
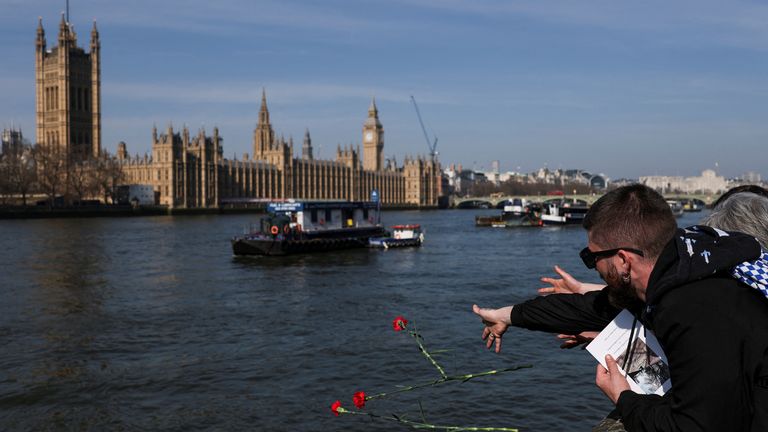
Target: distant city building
column 12, row 142
column 460, row 180
column 191, row 172
column 68, row 92
column 707, row 182
column 751, row 177
column 561, row 177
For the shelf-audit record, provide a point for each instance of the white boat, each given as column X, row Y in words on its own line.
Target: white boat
column 676, row 207
column 402, row 236
column 563, row 211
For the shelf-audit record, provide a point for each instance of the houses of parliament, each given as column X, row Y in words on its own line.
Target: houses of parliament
column 189, row 170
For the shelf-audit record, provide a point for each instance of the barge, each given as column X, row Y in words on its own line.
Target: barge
column 564, row 211
column 293, row 227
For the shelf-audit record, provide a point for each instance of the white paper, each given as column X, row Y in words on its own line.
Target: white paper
column 649, row 368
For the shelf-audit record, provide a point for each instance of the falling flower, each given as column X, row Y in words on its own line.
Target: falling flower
column 399, row 323
column 335, row 408
column 359, row 399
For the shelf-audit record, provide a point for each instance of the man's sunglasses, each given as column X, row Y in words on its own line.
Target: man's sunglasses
column 590, row 258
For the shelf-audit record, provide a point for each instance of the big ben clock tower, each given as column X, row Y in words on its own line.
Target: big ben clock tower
column 373, row 140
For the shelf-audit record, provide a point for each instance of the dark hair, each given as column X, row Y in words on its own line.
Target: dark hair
column 631, row 216
column 755, row 189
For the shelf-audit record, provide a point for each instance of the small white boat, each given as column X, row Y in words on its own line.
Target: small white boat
column 402, row 236
column 676, row 207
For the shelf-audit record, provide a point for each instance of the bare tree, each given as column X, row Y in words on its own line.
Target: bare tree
column 81, row 178
column 21, row 172
column 108, row 175
column 51, row 170
column 5, row 186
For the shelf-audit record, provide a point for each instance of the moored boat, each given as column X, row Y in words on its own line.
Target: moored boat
column 311, row 226
column 693, row 205
column 402, row 236
column 517, row 212
column 676, row 207
column 563, row 211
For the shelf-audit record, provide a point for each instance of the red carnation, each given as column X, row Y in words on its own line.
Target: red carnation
column 399, row 323
column 359, row 399
column 335, row 408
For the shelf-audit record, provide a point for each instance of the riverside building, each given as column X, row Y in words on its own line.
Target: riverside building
column 189, row 171
column 68, row 92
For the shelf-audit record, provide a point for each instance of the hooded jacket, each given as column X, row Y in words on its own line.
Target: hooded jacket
column 714, row 330
column 712, row 327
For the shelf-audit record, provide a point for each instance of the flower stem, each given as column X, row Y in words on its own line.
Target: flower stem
column 425, row 425
column 461, row 378
column 424, row 351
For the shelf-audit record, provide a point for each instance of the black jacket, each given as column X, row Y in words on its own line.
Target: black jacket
column 713, row 329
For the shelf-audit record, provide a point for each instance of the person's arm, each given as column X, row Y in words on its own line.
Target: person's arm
column 565, row 313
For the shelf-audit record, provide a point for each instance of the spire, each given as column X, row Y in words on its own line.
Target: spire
column 94, row 33
column 40, row 41
column 373, row 115
column 264, row 111
column 306, row 149
column 63, row 27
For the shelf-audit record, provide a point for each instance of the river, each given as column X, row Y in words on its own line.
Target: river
column 150, row 323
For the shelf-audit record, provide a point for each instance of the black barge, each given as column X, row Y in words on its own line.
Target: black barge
column 293, row 227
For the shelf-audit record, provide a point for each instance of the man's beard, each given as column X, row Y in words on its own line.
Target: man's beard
column 620, row 293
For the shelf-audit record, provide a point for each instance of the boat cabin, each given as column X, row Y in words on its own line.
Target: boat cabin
column 318, row 216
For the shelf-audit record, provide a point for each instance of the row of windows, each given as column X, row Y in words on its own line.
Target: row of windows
column 51, row 98
column 79, row 99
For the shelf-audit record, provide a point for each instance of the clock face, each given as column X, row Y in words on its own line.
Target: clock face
column 368, row 136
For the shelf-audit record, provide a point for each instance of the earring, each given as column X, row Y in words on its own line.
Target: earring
column 626, row 278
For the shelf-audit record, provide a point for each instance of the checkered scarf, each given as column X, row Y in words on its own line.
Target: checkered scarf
column 754, row 273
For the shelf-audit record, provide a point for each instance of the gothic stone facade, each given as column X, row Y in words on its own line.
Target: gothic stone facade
column 68, row 92
column 190, row 172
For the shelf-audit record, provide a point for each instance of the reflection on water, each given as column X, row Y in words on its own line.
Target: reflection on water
column 152, row 324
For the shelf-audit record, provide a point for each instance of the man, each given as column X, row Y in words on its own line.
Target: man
column 713, row 329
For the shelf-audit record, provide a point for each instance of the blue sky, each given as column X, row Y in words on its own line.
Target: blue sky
column 624, row 88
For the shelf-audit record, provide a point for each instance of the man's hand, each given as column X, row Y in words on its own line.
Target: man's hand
column 572, row 341
column 567, row 285
column 496, row 323
column 610, row 380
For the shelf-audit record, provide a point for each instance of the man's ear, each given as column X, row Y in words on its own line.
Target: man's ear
column 626, row 260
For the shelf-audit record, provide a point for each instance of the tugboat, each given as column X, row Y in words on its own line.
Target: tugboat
column 517, row 212
column 402, row 236
column 564, row 211
column 676, row 207
column 292, row 227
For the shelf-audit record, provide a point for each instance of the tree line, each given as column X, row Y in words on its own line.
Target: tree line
column 63, row 179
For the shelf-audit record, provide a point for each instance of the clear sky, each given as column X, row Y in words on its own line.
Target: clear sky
column 626, row 88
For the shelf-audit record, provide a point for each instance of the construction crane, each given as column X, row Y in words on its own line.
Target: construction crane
column 431, row 144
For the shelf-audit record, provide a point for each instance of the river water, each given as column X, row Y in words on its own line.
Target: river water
column 150, row 323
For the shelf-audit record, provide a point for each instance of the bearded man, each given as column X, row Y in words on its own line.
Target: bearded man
column 713, row 328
